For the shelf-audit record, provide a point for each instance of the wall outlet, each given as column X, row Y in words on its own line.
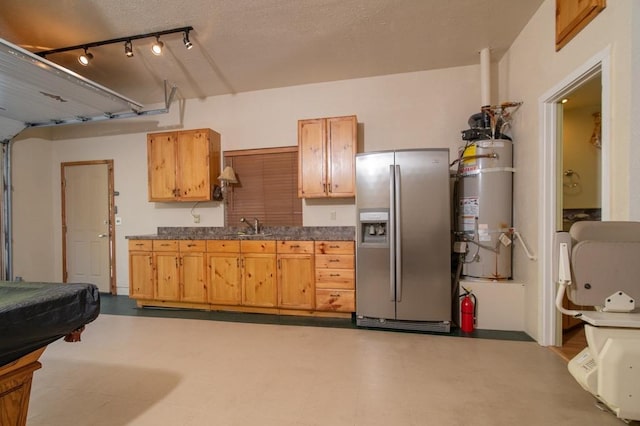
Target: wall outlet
column 332, row 215
column 118, row 220
column 196, row 218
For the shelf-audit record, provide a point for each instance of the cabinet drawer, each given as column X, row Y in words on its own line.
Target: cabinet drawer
column 192, row 245
column 295, row 247
column 335, row 300
column 335, row 278
column 261, row 246
column 336, row 261
column 165, row 245
column 223, row 246
column 140, row 245
column 335, row 247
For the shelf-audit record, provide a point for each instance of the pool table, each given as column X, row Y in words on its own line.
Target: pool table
column 33, row 315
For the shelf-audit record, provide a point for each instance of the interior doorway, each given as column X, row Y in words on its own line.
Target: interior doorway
column 552, row 178
column 580, row 162
column 88, row 251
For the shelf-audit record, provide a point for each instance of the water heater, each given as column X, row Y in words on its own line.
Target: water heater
column 484, row 207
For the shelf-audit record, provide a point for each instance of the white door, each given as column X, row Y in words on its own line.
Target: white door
column 86, row 227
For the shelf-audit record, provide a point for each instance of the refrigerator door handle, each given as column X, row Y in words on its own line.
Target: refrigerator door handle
column 398, row 235
column 392, row 235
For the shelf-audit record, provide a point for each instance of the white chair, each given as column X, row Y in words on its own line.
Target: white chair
column 599, row 266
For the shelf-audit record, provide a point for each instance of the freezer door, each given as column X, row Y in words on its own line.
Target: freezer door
column 423, row 290
column 374, row 285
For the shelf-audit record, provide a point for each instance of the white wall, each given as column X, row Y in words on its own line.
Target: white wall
column 413, row 110
column 32, row 190
column 530, row 68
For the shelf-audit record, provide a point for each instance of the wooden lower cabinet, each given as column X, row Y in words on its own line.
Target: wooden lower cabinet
column 179, row 271
column 259, row 286
column 224, row 284
column 296, row 288
column 335, row 276
column 141, row 269
column 287, row 277
column 166, row 261
column 192, row 267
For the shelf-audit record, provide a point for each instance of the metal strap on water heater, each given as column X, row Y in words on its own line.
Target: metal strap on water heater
column 489, row 170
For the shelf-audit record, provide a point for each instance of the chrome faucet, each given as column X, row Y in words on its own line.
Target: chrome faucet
column 255, row 227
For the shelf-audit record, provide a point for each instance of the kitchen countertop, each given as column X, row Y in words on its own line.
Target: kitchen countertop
column 283, row 233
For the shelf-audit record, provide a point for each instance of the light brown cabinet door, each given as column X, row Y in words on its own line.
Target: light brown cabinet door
column 184, row 165
column 296, row 288
column 141, row 275
column 161, row 158
column 326, row 153
column 193, row 277
column 312, row 157
column 166, row 276
column 341, row 148
column 225, row 279
column 572, row 16
column 259, row 280
column 193, row 177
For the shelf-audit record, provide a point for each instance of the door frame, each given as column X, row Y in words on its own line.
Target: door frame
column 112, row 243
column 549, row 317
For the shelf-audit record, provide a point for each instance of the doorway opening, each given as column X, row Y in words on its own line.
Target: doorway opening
column 553, row 177
column 88, row 213
column 579, row 159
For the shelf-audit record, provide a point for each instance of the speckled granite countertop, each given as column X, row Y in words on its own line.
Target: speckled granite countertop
column 311, row 233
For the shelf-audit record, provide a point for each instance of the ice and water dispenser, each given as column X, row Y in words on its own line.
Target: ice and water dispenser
column 374, row 226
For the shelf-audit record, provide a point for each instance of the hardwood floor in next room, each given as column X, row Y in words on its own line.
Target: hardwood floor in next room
column 573, row 342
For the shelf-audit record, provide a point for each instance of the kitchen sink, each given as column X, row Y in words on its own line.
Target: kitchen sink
column 257, row 236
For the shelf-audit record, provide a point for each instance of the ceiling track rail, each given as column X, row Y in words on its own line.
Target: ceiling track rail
column 169, row 95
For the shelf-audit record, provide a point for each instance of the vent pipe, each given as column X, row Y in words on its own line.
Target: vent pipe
column 485, row 77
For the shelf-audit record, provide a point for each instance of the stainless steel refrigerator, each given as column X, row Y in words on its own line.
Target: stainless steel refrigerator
column 403, row 250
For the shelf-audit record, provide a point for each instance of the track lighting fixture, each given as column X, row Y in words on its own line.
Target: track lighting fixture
column 85, row 58
column 128, row 49
column 156, row 48
column 186, row 41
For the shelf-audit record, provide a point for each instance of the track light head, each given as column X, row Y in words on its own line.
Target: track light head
column 156, row 48
column 85, row 58
column 128, row 49
column 186, row 41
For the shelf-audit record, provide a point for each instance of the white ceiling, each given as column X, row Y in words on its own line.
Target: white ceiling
column 244, row 45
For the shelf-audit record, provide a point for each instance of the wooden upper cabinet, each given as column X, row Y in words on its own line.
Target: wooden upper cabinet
column 572, row 16
column 326, row 154
column 161, row 162
column 184, row 165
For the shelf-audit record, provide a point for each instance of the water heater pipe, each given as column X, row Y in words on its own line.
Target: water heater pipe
column 485, row 77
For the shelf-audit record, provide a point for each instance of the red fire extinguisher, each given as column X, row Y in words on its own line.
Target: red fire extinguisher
column 468, row 311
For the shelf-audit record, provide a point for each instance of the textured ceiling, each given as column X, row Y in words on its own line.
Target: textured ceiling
column 243, row 45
